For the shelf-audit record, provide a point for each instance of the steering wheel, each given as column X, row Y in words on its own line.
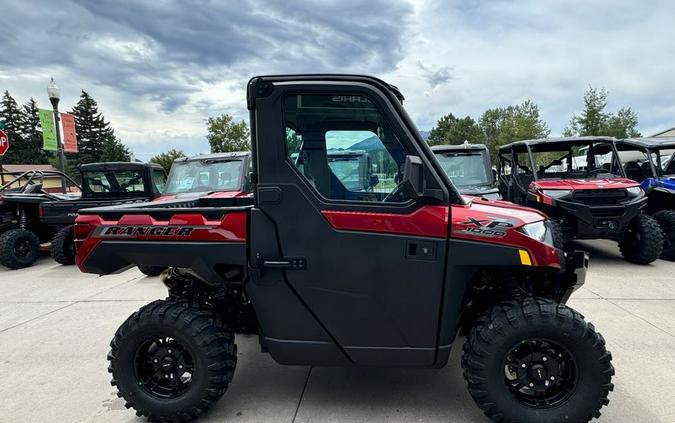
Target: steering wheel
column 392, row 196
column 595, row 171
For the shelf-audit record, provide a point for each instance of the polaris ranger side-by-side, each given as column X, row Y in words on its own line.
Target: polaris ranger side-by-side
column 21, row 230
column 580, row 182
column 102, row 184
column 470, row 168
column 387, row 279
column 651, row 162
column 208, row 176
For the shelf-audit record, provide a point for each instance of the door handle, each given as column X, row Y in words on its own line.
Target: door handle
column 285, row 263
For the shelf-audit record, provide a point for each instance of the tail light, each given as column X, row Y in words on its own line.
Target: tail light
column 41, row 212
column 81, row 231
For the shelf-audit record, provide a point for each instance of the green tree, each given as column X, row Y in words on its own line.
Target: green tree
column 31, row 132
column 94, row 134
column 225, row 135
column 452, row 130
column 114, row 150
column 594, row 120
column 11, row 115
column 503, row 125
column 167, row 158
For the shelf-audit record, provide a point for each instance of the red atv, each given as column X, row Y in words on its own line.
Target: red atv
column 208, row 176
column 581, row 184
column 348, row 274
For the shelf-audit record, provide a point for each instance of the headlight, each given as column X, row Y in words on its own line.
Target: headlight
column 536, row 230
column 634, row 191
column 556, row 193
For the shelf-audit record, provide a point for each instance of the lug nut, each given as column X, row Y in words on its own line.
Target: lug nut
column 524, row 365
column 531, row 385
column 155, row 361
column 180, row 366
column 170, row 351
column 552, row 377
column 544, row 359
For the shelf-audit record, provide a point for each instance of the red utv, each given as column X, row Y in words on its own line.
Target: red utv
column 581, row 184
column 342, row 269
column 207, row 176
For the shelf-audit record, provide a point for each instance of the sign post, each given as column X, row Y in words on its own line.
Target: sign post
column 4, row 146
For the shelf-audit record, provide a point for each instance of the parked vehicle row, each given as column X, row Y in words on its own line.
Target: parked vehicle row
column 342, row 239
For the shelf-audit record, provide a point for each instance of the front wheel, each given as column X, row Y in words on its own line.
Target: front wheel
column 642, row 242
column 19, row 248
column 535, row 361
column 171, row 362
column 666, row 220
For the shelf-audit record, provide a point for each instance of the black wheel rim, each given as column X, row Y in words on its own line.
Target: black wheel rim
column 164, row 367
column 540, row 373
column 22, row 248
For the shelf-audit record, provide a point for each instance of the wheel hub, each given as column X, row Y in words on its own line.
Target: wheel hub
column 164, row 367
column 540, row 373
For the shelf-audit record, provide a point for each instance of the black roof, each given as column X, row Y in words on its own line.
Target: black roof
column 555, row 143
column 234, row 155
column 118, row 166
column 458, row 147
column 330, row 77
column 650, row 143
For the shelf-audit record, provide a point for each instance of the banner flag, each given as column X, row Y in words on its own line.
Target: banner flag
column 69, row 133
column 48, row 130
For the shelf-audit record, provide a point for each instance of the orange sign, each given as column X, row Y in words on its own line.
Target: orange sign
column 69, row 133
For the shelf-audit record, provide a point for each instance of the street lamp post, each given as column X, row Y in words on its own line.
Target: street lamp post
column 54, row 96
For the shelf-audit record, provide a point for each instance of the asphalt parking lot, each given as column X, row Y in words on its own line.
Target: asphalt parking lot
column 55, row 325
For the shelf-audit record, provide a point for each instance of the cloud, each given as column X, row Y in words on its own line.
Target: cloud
column 435, row 77
column 159, row 68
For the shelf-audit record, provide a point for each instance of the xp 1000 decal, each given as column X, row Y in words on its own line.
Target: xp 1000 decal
column 489, row 226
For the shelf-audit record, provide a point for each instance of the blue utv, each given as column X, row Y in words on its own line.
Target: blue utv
column 651, row 161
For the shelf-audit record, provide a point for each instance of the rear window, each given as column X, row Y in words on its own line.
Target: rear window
column 113, row 182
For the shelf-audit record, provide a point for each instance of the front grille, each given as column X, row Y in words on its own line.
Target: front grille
column 599, row 197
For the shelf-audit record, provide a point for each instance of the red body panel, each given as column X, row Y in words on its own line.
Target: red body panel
column 90, row 230
column 432, row 221
column 578, row 184
column 427, row 221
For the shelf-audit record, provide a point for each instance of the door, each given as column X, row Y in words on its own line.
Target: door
column 356, row 268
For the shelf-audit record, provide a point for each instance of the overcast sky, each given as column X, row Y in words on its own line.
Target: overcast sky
column 158, row 68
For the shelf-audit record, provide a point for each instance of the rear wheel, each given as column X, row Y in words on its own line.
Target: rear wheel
column 557, row 233
column 535, row 361
column 643, row 241
column 63, row 246
column 19, row 248
column 666, row 220
column 151, row 270
column 171, row 362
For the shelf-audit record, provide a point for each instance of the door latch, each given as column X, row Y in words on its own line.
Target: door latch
column 285, row 263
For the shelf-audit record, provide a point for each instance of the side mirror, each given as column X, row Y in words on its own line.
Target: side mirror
column 413, row 179
column 374, row 180
column 495, row 177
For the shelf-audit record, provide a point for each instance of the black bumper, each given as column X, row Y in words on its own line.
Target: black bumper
column 602, row 221
column 572, row 276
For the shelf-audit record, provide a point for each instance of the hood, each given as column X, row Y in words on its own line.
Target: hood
column 667, row 182
column 579, row 184
column 482, row 208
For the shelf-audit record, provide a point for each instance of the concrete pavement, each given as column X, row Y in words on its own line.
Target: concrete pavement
column 55, row 325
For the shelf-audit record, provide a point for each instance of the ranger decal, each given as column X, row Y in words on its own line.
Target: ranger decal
column 129, row 231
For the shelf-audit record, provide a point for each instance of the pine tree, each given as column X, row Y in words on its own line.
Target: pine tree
column 115, row 151
column 92, row 130
column 11, row 115
column 31, row 132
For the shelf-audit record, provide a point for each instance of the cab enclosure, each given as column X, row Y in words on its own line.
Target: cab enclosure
column 470, row 168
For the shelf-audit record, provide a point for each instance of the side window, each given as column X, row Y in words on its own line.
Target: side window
column 344, row 147
column 159, row 179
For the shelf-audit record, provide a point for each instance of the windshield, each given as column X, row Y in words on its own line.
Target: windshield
column 666, row 164
column 113, row 182
column 563, row 161
column 205, row 176
column 465, row 168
